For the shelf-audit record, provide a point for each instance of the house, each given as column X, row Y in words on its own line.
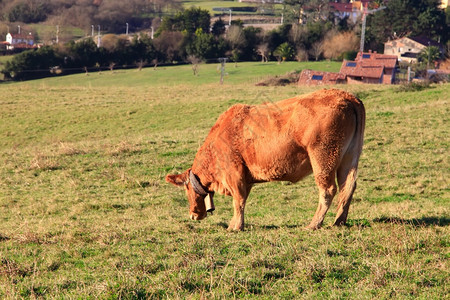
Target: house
column 346, row 10
column 312, row 77
column 19, row 41
column 352, row 10
column 370, row 67
column 407, row 49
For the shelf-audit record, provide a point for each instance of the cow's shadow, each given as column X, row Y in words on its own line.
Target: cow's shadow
column 363, row 223
column 416, row 222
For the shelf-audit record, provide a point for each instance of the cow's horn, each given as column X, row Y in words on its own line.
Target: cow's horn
column 209, row 203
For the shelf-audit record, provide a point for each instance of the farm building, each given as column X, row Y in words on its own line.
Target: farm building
column 312, row 77
column 344, row 10
column 408, row 48
column 19, row 41
column 368, row 67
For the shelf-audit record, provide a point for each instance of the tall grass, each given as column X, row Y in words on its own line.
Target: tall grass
column 85, row 211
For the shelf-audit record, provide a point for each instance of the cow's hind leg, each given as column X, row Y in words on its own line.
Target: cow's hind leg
column 327, row 190
column 346, row 176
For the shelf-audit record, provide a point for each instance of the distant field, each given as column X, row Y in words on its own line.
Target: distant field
column 47, row 33
column 86, row 213
column 250, row 72
column 209, row 5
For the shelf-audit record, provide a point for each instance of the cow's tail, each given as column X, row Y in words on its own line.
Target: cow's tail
column 347, row 171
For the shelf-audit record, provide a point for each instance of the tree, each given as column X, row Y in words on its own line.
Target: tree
column 195, row 61
column 317, row 10
column 293, row 10
column 429, row 55
column 188, row 20
column 406, row 18
column 337, row 43
column 169, row 46
column 31, row 11
column 32, row 64
column 205, row 46
column 263, row 51
column 317, row 50
column 235, row 36
column 142, row 49
column 284, row 52
column 83, row 53
column 252, row 37
column 218, row 27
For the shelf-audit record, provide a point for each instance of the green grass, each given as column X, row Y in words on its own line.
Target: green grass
column 209, row 5
column 66, row 33
column 86, row 213
column 251, row 72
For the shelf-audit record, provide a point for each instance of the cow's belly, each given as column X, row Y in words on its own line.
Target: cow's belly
column 278, row 162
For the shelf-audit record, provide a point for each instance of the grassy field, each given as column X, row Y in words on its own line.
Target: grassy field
column 209, row 5
column 86, row 213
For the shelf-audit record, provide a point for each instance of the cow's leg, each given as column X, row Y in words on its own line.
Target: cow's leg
column 237, row 222
column 327, row 190
column 240, row 195
column 324, row 168
column 346, row 176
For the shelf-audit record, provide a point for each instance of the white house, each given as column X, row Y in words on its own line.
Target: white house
column 19, row 41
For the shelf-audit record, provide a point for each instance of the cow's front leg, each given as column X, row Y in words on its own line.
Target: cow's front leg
column 237, row 222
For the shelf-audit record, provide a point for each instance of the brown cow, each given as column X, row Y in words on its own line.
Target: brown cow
column 320, row 133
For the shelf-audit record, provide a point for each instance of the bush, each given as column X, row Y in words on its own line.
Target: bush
column 337, row 44
column 414, row 86
column 32, row 64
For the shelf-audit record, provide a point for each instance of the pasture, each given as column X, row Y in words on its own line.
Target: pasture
column 86, row 213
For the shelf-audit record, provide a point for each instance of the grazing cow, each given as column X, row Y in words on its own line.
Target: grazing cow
column 320, row 133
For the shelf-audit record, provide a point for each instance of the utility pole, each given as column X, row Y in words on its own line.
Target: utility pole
column 98, row 37
column 127, row 29
column 222, row 61
column 428, row 60
column 92, row 33
column 57, row 34
column 19, row 28
column 152, row 31
column 229, row 23
column 366, row 11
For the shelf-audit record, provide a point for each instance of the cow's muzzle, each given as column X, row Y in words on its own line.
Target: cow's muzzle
column 197, row 217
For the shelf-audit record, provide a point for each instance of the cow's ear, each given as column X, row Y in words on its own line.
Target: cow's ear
column 177, row 179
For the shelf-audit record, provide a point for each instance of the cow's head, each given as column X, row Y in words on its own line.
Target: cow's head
column 200, row 200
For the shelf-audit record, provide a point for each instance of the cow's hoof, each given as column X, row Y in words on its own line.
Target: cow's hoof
column 313, row 227
column 233, row 227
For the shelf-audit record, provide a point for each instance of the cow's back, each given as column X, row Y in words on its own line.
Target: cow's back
column 276, row 137
column 272, row 140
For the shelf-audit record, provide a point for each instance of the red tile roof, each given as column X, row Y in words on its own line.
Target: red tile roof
column 313, row 77
column 377, row 59
column 22, row 36
column 342, row 7
column 369, row 64
column 359, row 70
